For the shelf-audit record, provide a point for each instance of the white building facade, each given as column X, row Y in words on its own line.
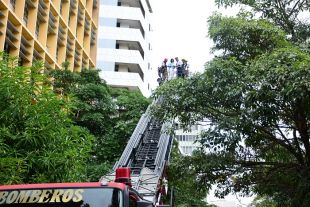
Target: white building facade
column 187, row 139
column 124, row 47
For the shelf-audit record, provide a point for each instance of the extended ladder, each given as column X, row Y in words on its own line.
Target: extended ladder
column 147, row 153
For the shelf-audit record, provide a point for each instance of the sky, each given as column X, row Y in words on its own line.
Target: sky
column 180, row 30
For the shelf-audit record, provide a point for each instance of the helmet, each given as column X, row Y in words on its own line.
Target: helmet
column 166, row 59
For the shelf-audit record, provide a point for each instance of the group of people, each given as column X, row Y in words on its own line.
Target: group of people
column 172, row 69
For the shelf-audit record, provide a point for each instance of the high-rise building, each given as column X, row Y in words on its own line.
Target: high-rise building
column 53, row 31
column 187, row 139
column 124, row 44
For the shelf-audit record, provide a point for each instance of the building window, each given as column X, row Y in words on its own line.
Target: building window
column 118, row 24
column 186, row 138
column 119, row 3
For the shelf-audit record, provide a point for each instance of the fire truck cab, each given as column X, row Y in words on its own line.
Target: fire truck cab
column 90, row 194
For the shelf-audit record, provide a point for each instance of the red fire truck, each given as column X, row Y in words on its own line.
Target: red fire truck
column 112, row 194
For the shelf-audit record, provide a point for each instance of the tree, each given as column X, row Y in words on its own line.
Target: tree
column 290, row 15
column 254, row 97
column 182, row 180
column 109, row 114
column 38, row 141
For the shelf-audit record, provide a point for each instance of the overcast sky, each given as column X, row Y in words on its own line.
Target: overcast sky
column 180, row 30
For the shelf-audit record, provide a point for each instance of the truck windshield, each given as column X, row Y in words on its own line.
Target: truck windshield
column 62, row 197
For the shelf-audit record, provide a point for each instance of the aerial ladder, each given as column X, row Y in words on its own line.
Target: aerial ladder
column 146, row 155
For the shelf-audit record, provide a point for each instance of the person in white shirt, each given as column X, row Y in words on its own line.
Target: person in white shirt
column 171, row 69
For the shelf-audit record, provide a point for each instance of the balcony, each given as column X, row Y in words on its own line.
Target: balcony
column 129, row 3
column 130, row 13
column 73, row 4
column 124, row 34
column 11, row 32
column 93, row 37
column 42, row 8
column 70, row 44
column 80, row 16
column 132, row 24
column 1, row 19
column 122, row 56
column 95, row 4
column 48, row 65
column 52, row 24
column 30, row 4
column 24, row 49
column 61, row 33
column 84, row 62
column 131, row 81
column 42, row 12
column 37, row 55
column 87, row 24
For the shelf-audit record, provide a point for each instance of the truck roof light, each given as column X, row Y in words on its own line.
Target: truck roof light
column 123, row 175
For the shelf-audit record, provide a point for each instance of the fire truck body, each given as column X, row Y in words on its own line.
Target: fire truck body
column 95, row 194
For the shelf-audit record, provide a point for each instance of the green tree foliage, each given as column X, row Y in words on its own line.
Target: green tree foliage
column 187, row 192
column 290, row 15
column 130, row 105
column 109, row 114
column 255, row 98
column 263, row 202
column 38, row 141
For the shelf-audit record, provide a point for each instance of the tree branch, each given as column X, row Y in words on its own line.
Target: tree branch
column 261, row 163
column 289, row 148
column 294, row 7
column 297, row 143
column 301, row 125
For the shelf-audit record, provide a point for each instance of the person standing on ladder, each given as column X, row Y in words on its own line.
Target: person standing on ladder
column 164, row 69
column 171, row 68
column 185, row 67
column 179, row 67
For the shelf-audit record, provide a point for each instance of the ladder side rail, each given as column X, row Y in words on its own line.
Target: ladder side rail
column 159, row 153
column 163, row 140
column 165, row 157
column 133, row 141
column 160, row 158
column 163, row 148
